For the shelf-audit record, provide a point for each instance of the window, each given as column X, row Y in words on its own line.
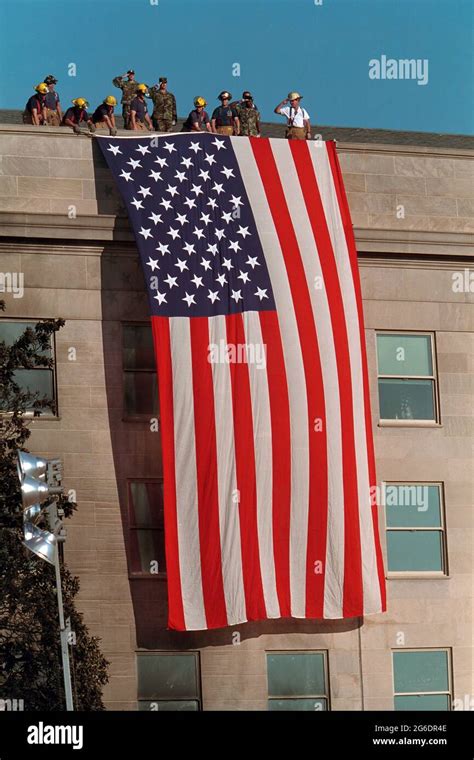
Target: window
column 146, row 521
column 139, row 372
column 39, row 380
column 416, row 536
column 407, row 377
column 297, row 681
column 422, row 679
column 169, row 681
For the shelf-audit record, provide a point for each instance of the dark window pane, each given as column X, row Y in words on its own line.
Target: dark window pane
column 33, row 380
column 406, row 399
column 182, row 705
column 11, row 331
column 138, row 351
column 313, row 705
column 404, row 355
column 416, row 551
column 141, row 393
column 412, row 505
column 147, row 549
column 420, row 671
column 296, row 674
column 146, row 504
column 167, row 677
column 422, row 702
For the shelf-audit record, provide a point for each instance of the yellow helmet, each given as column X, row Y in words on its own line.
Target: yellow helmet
column 42, row 88
column 81, row 103
column 199, row 101
column 294, row 96
column 110, row 100
column 142, row 88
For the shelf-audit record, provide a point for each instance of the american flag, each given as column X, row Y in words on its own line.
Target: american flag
column 268, row 459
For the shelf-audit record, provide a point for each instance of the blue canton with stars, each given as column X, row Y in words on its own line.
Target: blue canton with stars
column 193, row 224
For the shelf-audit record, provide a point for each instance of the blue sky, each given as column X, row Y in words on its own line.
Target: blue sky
column 320, row 47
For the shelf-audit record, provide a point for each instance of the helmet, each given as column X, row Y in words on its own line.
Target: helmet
column 142, row 88
column 199, row 101
column 224, row 95
column 81, row 103
column 50, row 79
column 110, row 100
column 294, row 96
column 42, row 88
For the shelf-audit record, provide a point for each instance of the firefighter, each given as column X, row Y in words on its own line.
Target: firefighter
column 198, row 119
column 298, row 126
column 225, row 120
column 139, row 118
column 103, row 116
column 53, row 106
column 35, row 109
column 77, row 116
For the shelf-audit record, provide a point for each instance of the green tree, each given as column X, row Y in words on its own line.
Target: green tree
column 30, row 652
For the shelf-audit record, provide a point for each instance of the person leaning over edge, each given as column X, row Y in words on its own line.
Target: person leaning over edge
column 35, row 109
column 103, row 116
column 198, row 119
column 77, row 116
column 298, row 125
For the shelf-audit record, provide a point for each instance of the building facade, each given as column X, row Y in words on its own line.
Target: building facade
column 64, row 235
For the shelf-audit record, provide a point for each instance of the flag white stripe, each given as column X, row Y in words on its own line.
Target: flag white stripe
column 262, row 433
column 294, row 367
column 334, row 559
column 229, row 524
column 186, row 482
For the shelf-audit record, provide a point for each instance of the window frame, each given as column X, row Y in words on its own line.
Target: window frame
column 197, row 665
column 387, row 422
column 449, row 660
column 48, row 414
column 420, row 574
column 133, row 575
column 126, row 416
column 327, row 681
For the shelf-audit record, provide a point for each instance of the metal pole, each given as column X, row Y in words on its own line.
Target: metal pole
column 64, row 635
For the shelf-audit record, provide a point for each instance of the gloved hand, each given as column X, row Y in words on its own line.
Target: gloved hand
column 91, row 127
column 173, row 123
column 112, row 131
column 76, row 129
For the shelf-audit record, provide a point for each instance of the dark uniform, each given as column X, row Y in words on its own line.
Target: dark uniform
column 196, row 117
column 129, row 91
column 98, row 117
column 51, row 102
column 224, row 116
column 164, row 109
column 140, row 108
column 37, row 101
column 76, row 114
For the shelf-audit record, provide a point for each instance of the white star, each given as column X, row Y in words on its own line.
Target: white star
column 227, row 216
column 169, row 147
column 114, row 149
column 161, row 161
column 167, row 204
column 234, row 245
column 212, row 203
column 138, row 204
column 197, row 281
column 155, row 218
column 160, row 297
column 236, row 295
column 261, row 293
column 174, row 233
column 162, row 248
column 212, row 248
column 144, row 191
column 156, row 175
column 172, row 190
column 153, row 263
column 196, row 189
column 243, row 276
column 218, row 188
column 190, row 202
column 220, row 234
column 189, row 299
column 221, row 279
column 219, row 144
column 189, row 248
column 236, row 201
column 187, row 162
column 205, row 263
column 195, row 147
column 210, row 159
column 213, row 296
column 134, row 164
column 204, row 174
column 182, row 219
column 180, row 175
column 146, row 233
column 205, row 218
column 228, row 172
column 181, row 264
column 171, row 281
column 198, row 232
column 252, row 262
column 127, row 176
column 142, row 149
column 227, row 264
column 244, row 231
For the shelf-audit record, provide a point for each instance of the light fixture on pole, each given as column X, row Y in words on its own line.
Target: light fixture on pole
column 40, row 480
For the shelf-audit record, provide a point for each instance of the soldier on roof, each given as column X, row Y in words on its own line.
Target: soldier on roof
column 164, row 111
column 129, row 89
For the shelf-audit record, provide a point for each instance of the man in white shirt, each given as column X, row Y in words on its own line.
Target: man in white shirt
column 298, row 126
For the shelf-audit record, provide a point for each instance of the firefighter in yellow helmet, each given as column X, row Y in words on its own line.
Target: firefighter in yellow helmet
column 77, row 116
column 35, row 109
column 298, row 126
column 103, row 116
column 139, row 117
column 198, row 119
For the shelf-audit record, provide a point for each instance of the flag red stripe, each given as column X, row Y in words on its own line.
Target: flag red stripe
column 353, row 589
column 246, row 476
column 161, row 338
column 281, row 455
column 347, row 224
column 318, row 489
column 206, row 466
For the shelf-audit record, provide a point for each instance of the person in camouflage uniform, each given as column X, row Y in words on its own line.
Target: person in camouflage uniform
column 129, row 89
column 164, row 106
column 249, row 116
